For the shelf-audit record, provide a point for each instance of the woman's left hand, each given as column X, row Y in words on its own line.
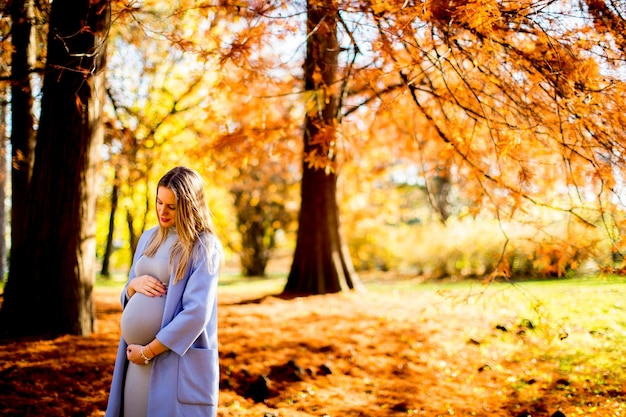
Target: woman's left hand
column 133, row 354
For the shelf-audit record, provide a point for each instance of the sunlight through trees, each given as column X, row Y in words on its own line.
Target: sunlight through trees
column 445, row 138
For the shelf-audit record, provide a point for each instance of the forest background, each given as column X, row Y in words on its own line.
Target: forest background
column 436, row 140
column 508, row 158
column 439, row 139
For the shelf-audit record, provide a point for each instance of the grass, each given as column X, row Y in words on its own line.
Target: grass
column 580, row 323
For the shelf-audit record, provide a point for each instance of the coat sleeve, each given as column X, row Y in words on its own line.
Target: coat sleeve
column 196, row 311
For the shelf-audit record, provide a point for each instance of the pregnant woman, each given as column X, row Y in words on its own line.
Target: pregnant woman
column 167, row 360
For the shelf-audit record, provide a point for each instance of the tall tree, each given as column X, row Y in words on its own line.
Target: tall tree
column 321, row 263
column 108, row 250
column 5, row 58
column 22, row 120
column 52, row 271
column 4, row 181
column 510, row 90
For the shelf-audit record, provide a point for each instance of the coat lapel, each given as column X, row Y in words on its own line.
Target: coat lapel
column 173, row 299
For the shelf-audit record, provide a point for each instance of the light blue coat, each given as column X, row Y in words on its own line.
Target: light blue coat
column 184, row 381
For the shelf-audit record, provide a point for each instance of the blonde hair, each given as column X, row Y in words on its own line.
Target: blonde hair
column 193, row 219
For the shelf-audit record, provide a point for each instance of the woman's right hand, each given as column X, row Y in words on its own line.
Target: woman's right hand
column 147, row 285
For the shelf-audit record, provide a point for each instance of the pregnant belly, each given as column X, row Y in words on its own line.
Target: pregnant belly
column 141, row 319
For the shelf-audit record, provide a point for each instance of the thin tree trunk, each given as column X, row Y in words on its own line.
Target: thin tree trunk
column 106, row 258
column 4, row 180
column 22, row 133
column 133, row 237
column 49, row 291
column 321, row 263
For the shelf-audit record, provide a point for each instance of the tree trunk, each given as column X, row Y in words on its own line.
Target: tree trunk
column 22, row 134
column 133, row 236
column 108, row 251
column 321, row 263
column 49, row 291
column 4, row 177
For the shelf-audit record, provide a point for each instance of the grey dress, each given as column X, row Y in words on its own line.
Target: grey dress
column 141, row 320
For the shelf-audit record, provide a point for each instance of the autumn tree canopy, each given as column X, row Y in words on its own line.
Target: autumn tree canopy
column 513, row 104
column 507, row 106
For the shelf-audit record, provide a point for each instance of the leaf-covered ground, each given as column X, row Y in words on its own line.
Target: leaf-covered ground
column 461, row 352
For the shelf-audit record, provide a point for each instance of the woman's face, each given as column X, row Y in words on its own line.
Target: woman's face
column 166, row 207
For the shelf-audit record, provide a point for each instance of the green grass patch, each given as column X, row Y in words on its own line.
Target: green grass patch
column 568, row 330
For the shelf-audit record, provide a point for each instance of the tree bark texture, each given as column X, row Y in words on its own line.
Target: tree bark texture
column 321, row 262
column 22, row 131
column 4, row 180
column 52, row 272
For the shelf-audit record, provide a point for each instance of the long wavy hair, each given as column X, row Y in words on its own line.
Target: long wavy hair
column 193, row 219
